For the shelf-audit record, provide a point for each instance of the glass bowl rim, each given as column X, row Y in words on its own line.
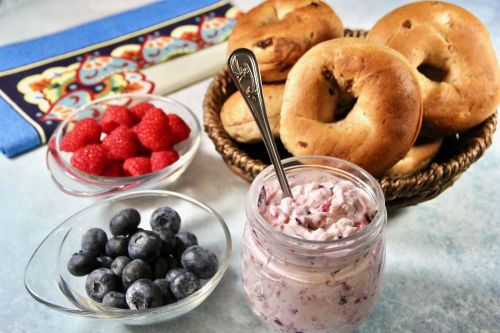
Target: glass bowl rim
column 103, row 181
column 113, row 313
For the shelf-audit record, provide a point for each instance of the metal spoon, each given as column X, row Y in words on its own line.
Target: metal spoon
column 245, row 73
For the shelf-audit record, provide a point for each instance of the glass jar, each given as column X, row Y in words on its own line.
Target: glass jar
column 300, row 285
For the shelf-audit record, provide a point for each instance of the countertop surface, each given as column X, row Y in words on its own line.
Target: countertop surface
column 443, row 256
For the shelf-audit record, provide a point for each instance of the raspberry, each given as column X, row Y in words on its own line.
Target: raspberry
column 122, row 143
column 140, row 109
column 162, row 159
column 180, row 130
column 114, row 116
column 90, row 127
column 71, row 142
column 154, row 131
column 136, row 166
column 90, row 159
column 114, row 168
column 85, row 132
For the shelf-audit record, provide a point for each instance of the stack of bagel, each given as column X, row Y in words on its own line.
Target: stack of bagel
column 426, row 70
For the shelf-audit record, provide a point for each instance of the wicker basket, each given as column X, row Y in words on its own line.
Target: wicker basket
column 456, row 154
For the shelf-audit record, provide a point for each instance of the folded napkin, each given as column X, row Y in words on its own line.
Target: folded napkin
column 44, row 79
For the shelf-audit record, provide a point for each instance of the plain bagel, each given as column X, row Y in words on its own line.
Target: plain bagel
column 386, row 116
column 419, row 156
column 238, row 121
column 458, row 66
column 279, row 32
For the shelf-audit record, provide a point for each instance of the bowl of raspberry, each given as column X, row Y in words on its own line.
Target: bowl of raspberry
column 137, row 258
column 121, row 142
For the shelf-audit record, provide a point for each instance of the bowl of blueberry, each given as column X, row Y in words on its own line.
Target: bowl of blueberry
column 139, row 258
column 121, row 142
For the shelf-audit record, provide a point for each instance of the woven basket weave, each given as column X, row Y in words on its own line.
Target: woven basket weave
column 456, row 154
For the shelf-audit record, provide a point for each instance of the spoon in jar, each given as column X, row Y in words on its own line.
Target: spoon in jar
column 245, row 73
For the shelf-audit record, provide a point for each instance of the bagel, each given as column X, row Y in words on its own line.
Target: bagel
column 458, row 67
column 238, row 121
column 419, row 156
column 279, row 32
column 386, row 115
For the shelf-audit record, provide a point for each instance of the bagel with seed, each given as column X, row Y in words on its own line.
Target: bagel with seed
column 279, row 32
column 457, row 65
column 378, row 82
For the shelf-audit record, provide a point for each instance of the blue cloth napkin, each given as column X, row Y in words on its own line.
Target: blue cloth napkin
column 43, row 79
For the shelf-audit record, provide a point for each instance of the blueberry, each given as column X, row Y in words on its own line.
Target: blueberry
column 143, row 294
column 172, row 274
column 115, row 299
column 117, row 246
column 135, row 270
column 185, row 239
column 99, row 282
column 125, row 222
column 119, row 264
column 104, row 261
column 200, row 261
column 166, row 217
column 94, row 241
column 81, row 264
column 169, row 242
column 184, row 285
column 164, row 286
column 160, row 268
column 144, row 245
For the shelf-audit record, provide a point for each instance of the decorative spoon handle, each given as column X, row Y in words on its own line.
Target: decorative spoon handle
column 245, row 73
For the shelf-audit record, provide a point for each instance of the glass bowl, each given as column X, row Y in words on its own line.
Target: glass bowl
column 74, row 182
column 47, row 279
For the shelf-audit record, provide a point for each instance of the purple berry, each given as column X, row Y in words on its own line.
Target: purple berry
column 200, row 261
column 100, row 282
column 94, row 241
column 145, row 245
column 135, row 270
column 143, row 294
column 125, row 222
column 81, row 264
column 115, row 299
column 166, row 217
column 184, row 285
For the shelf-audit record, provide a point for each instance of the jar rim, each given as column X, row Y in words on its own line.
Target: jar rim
column 279, row 237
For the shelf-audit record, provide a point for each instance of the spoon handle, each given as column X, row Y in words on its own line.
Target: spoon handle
column 245, row 73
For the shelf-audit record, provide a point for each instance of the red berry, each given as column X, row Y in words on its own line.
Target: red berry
column 114, row 168
column 153, row 131
column 162, row 159
column 90, row 159
column 116, row 115
column 140, row 109
column 136, row 166
column 71, row 142
column 90, row 127
column 179, row 129
column 122, row 143
column 85, row 132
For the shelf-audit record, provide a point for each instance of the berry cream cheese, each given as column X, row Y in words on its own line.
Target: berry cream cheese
column 322, row 208
column 327, row 276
